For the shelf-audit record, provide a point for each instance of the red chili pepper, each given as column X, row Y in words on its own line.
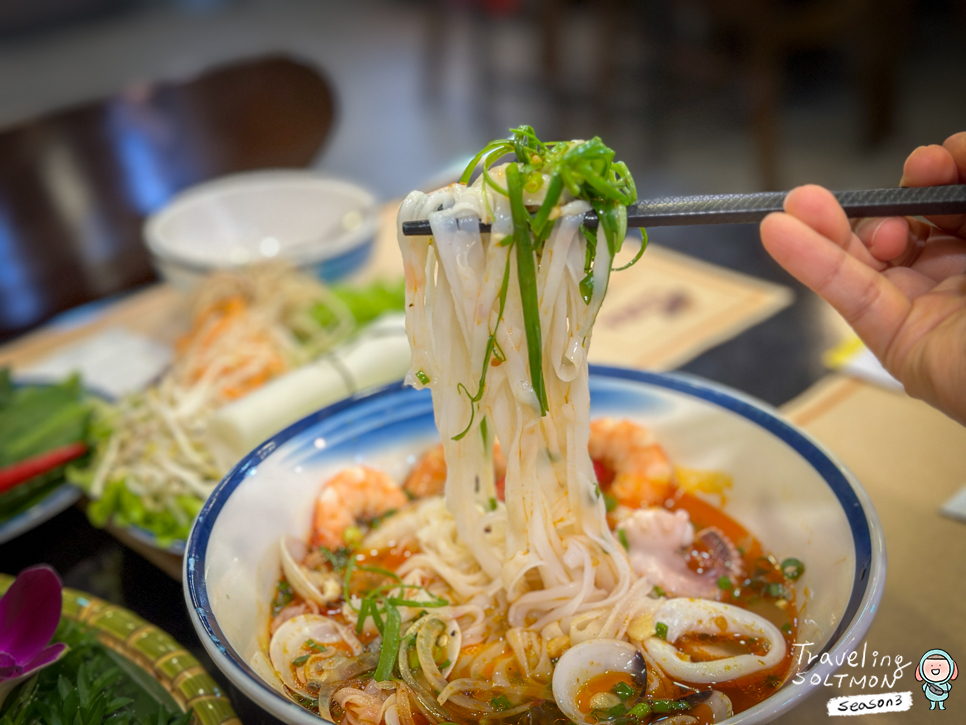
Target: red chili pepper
column 24, row 470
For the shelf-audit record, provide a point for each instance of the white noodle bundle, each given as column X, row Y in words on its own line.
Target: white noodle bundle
column 548, row 547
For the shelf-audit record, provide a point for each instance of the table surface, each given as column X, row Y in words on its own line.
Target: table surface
column 774, row 361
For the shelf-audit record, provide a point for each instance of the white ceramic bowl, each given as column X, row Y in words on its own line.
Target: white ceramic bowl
column 787, row 490
column 320, row 223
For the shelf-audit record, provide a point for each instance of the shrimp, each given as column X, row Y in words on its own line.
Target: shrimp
column 428, row 477
column 353, row 495
column 642, row 470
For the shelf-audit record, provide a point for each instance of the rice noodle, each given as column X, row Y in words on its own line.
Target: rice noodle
column 553, row 522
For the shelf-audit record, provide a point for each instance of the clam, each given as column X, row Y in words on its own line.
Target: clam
column 290, row 642
column 318, row 588
column 585, row 661
column 718, row 702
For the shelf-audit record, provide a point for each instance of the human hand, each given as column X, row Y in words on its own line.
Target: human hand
column 899, row 282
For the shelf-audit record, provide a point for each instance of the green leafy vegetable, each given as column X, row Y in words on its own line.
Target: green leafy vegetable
column 367, row 302
column 38, row 418
column 35, row 419
column 90, row 685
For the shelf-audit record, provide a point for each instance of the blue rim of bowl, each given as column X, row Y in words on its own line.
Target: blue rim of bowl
column 858, row 510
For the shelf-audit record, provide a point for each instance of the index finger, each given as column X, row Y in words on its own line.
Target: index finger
column 937, row 165
column 868, row 300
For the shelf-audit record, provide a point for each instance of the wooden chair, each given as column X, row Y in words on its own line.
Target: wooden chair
column 76, row 185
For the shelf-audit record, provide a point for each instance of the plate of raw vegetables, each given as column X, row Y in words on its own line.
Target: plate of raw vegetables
column 261, row 340
column 78, row 659
column 43, row 430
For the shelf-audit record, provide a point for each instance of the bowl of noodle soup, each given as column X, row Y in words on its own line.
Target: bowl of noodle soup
column 789, row 491
column 534, row 541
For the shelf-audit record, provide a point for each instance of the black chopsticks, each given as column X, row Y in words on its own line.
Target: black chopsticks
column 746, row 208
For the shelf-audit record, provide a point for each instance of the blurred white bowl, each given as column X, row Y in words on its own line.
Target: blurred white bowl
column 319, row 223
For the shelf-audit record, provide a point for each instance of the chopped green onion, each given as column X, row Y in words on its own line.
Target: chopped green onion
column 639, row 711
column 623, row 690
column 657, row 592
column 422, row 377
column 352, row 536
column 725, row 584
column 616, row 711
column 490, row 346
column 622, row 537
column 787, row 628
column 527, row 273
column 299, row 661
column 792, row 568
column 492, row 503
column 636, row 256
column 444, row 664
column 610, row 502
column 283, row 597
column 338, row 559
column 390, row 645
column 664, row 706
column 314, row 646
column 660, row 629
column 501, row 703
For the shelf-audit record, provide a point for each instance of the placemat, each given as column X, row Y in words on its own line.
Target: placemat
column 911, row 459
column 665, row 310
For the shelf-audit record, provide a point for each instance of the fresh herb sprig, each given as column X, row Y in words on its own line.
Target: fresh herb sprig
column 587, row 170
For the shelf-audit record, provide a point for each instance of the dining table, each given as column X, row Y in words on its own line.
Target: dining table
column 909, row 457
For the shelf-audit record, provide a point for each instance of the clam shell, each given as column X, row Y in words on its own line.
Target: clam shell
column 289, row 639
column 298, row 577
column 582, row 662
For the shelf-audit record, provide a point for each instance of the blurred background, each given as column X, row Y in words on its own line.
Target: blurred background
column 109, row 107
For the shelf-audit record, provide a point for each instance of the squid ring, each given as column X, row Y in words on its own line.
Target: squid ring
column 701, row 616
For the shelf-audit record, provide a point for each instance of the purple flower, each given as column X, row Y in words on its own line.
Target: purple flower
column 29, row 614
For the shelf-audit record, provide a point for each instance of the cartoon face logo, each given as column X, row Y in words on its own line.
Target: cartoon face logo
column 936, row 671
